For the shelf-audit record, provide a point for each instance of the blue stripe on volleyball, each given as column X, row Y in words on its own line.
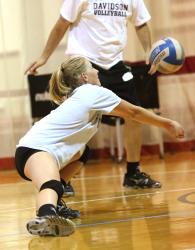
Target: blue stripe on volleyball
column 157, row 51
column 172, row 58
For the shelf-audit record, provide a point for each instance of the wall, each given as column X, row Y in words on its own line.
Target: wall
column 24, row 28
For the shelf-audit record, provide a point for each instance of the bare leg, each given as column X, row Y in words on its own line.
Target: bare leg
column 40, row 168
column 133, row 140
column 70, row 170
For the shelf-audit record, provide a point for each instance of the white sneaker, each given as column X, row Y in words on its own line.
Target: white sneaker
column 52, row 225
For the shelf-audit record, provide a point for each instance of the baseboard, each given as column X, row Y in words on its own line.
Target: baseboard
column 104, row 153
column 7, row 163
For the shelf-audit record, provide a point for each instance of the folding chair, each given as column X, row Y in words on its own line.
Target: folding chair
column 41, row 105
column 115, row 131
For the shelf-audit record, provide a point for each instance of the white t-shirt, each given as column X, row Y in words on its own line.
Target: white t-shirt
column 99, row 27
column 67, row 129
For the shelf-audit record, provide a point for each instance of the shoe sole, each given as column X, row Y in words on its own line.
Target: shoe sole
column 46, row 227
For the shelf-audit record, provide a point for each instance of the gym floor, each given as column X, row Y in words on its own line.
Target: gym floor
column 112, row 217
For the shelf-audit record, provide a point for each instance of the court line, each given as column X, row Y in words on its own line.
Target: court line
column 172, row 215
column 104, row 177
column 105, row 199
column 121, row 175
column 130, row 195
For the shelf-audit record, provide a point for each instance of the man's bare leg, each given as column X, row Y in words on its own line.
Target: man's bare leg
column 133, row 141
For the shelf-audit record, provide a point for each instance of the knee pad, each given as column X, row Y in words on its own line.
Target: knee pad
column 57, row 186
column 85, row 155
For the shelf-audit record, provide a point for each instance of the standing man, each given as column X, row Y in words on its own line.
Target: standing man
column 97, row 29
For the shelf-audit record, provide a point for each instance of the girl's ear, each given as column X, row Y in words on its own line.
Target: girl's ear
column 84, row 77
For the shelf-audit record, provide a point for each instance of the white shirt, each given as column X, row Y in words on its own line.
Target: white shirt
column 99, row 27
column 67, row 129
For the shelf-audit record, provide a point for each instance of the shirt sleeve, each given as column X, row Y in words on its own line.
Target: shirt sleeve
column 105, row 101
column 71, row 9
column 140, row 13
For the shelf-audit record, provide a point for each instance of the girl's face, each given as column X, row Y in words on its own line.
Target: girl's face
column 92, row 75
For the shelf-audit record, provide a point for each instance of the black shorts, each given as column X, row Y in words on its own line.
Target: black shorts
column 112, row 79
column 21, row 156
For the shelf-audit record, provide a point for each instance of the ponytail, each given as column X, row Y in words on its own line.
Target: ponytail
column 67, row 77
column 58, row 89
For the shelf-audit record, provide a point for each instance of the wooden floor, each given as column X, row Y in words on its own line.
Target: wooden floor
column 112, row 217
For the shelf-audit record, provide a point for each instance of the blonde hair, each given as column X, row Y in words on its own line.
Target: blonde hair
column 67, row 77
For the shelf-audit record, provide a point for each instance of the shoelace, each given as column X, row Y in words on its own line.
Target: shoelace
column 149, row 180
column 62, row 203
column 62, row 207
column 143, row 174
column 67, row 212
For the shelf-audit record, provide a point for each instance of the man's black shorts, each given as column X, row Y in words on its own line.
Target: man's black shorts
column 113, row 80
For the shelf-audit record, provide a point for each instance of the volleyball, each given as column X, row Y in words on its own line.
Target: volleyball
column 168, row 55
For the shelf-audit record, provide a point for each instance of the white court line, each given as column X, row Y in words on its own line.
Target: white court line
column 131, row 195
column 169, row 215
column 105, row 199
column 121, row 175
column 106, row 177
